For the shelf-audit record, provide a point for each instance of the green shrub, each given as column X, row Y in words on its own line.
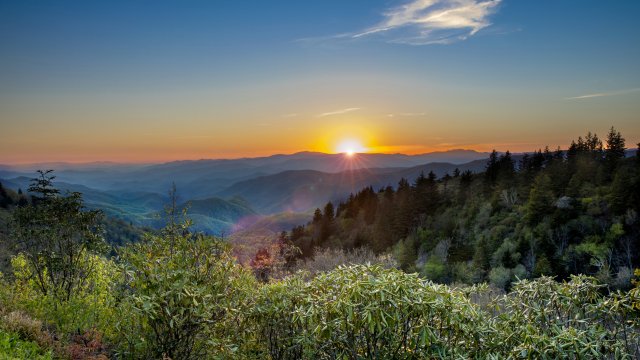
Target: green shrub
column 91, row 306
column 12, row 347
column 184, row 298
column 545, row 319
column 367, row 312
column 277, row 316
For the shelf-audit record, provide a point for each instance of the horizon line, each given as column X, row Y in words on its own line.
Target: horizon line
column 156, row 162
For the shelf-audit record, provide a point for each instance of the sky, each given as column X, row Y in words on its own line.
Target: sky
column 151, row 81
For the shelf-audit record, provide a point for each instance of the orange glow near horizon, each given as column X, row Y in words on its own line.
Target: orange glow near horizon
column 350, row 135
column 348, row 147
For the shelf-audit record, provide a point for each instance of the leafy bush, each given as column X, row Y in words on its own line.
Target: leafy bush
column 91, row 306
column 276, row 315
column 54, row 235
column 328, row 259
column 367, row 312
column 12, row 347
column 183, row 298
column 26, row 327
column 545, row 319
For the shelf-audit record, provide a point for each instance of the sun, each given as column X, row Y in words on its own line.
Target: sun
column 350, row 147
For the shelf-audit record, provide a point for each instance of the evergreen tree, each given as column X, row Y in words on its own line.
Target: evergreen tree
column 317, row 217
column 5, row 199
column 506, row 169
column 492, row 169
column 540, row 199
column 615, row 149
column 328, row 212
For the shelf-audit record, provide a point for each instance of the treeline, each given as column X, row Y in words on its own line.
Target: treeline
column 545, row 213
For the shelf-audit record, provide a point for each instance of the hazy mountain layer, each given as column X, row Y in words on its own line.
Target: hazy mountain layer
column 223, row 193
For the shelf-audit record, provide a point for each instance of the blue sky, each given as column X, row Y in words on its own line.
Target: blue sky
column 234, row 78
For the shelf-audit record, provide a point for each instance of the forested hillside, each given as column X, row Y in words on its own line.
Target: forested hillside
column 550, row 213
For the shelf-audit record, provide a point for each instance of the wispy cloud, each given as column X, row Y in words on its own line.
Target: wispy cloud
column 610, row 93
column 424, row 22
column 407, row 114
column 338, row 112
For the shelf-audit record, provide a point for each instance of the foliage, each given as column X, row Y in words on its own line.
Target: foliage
column 54, row 234
column 12, row 347
column 368, row 312
column 541, row 213
column 328, row 259
column 183, row 295
column 276, row 317
column 90, row 306
column 545, row 319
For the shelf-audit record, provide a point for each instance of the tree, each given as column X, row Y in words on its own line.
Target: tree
column 317, row 216
column 506, row 169
column 493, row 168
column 540, row 199
column 615, row 149
column 5, row 199
column 329, row 214
column 55, row 233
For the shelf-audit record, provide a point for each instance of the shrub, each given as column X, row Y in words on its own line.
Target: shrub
column 12, row 347
column 277, row 316
column 329, row 259
column 550, row 320
column 183, row 297
column 366, row 312
column 53, row 235
column 90, row 306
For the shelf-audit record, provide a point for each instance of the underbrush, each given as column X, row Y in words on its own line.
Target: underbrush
column 352, row 312
column 13, row 347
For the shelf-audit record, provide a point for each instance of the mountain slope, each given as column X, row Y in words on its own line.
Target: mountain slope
column 303, row 190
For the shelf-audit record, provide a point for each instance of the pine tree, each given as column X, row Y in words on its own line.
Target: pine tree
column 615, row 149
column 492, row 168
column 317, row 216
column 5, row 199
column 540, row 199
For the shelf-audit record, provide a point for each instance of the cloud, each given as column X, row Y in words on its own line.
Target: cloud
column 611, row 93
column 338, row 112
column 424, row 22
column 408, row 114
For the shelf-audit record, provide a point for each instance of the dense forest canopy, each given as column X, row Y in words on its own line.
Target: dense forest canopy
column 548, row 213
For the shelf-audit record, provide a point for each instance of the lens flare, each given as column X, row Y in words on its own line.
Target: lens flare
column 350, row 147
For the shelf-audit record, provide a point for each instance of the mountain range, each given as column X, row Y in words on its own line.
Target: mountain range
column 221, row 193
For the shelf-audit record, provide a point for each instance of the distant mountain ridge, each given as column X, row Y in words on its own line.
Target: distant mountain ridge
column 223, row 192
column 302, row 190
